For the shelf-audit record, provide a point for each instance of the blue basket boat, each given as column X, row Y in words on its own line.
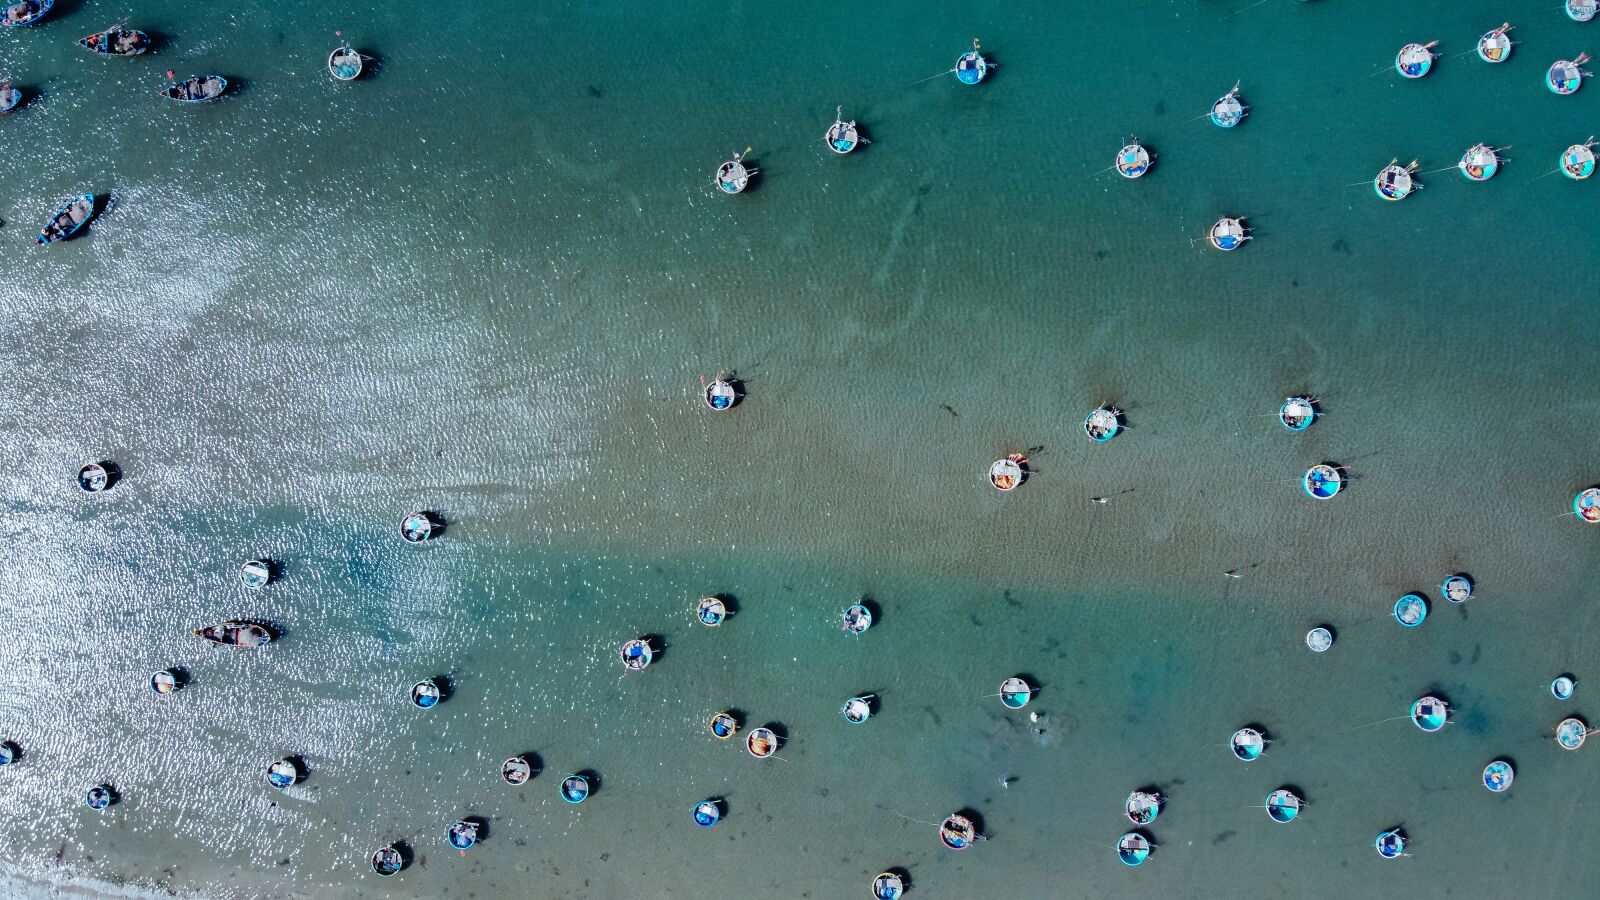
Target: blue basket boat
column 1395, row 182
column 283, row 774
column 1391, row 844
column 1581, row 10
column 99, row 797
column 1133, row 849
column 711, row 611
column 733, row 177
column 1298, row 412
column 1015, row 692
column 1586, row 505
column 1562, row 687
column 425, row 694
column 1495, row 46
column 1248, row 744
column 1322, row 481
column 195, row 88
column 1415, row 60
column 857, row 619
column 416, row 527
column 1228, row 111
column 1480, row 162
column 1283, row 806
column 345, row 63
column 1142, row 807
column 575, row 789
column 1565, row 76
column 1430, row 713
column 957, row 832
column 1498, row 775
column 1456, row 588
column 94, row 478
column 67, row 220
column 27, row 12
column 857, row 710
column 255, row 574
column 387, row 860
column 1410, row 610
column 1571, row 732
column 843, row 137
column 707, row 814
column 723, row 725
column 1103, row 424
column 1228, row 233
column 1577, row 162
column 636, row 654
column 462, row 834
column 888, row 886
column 1133, row 160
column 971, row 67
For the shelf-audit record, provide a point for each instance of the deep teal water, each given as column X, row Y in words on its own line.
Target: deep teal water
column 486, row 281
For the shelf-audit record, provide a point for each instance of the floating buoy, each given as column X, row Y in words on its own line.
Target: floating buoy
column 1391, row 844
column 723, row 725
column 425, row 694
column 94, row 478
column 1248, row 744
column 1008, row 472
column 462, row 834
column 857, row 619
column 1430, row 713
column 1578, row 162
column 957, row 832
column 1103, row 424
column 1319, row 639
column 1298, row 412
column 416, row 527
column 575, row 789
column 842, row 136
column 1581, row 10
column 888, row 886
column 1565, row 76
column 1133, row 160
column 1497, row 776
column 761, row 742
column 8, row 753
column 1587, row 505
column 857, row 710
column 283, row 774
column 98, row 797
column 1283, row 806
column 1480, row 162
column 733, row 176
column 1571, row 733
column 1322, row 481
column 636, row 655
column 1142, row 807
column 721, row 395
column 164, row 682
column 1415, row 60
column 1456, row 588
column 388, row 860
column 516, row 771
column 1563, row 687
column 1410, row 610
column 711, row 611
column 1133, row 848
column 1394, row 182
column 255, row 574
column 1495, row 46
column 1227, row 111
column 706, row 813
column 971, row 67
column 1228, row 234
column 1015, row 692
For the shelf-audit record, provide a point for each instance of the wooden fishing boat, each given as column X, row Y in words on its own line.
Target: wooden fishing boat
column 1495, row 46
column 195, row 88
column 245, row 635
column 26, row 12
column 10, row 98
column 344, row 63
column 68, row 219
column 117, row 41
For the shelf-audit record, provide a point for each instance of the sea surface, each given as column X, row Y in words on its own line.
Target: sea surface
column 487, row 281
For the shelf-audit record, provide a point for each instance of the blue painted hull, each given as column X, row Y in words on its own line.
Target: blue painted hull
column 46, row 236
column 42, row 10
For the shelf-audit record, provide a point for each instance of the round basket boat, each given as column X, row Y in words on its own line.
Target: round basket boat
column 1456, row 588
column 1142, row 807
column 462, row 834
column 1414, row 60
column 283, row 774
column 8, row 753
column 971, row 67
column 1248, row 744
column 98, row 797
column 1227, row 111
column 733, row 176
column 1103, row 424
column 957, row 832
column 1319, row 639
column 1228, row 234
column 711, row 611
column 1587, row 505
column 1578, row 162
column 1297, row 413
column 761, row 742
column 636, row 655
column 856, row 710
column 1562, row 687
column 93, row 478
column 842, row 137
column 575, row 789
column 888, row 886
column 1571, row 733
column 1015, row 692
column 1008, row 472
column 1565, row 76
column 1479, row 163
column 721, row 395
column 1581, row 10
column 1394, row 183
column 516, row 771
column 1322, row 481
column 856, row 619
column 1410, row 610
column 388, row 860
column 1430, row 713
column 1498, row 775
column 416, row 527
column 1390, row 844
column 1283, row 806
column 255, row 574
column 163, row 682
column 1133, row 161
column 344, row 63
column 425, row 694
column 1495, row 46
column 1133, row 849
column 723, row 725
column 707, row 813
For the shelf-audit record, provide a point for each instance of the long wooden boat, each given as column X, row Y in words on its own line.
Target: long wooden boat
column 196, row 89
column 26, row 12
column 66, row 221
column 246, row 635
column 117, row 41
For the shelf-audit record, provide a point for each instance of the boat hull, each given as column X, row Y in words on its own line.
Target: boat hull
column 68, row 220
column 244, row 635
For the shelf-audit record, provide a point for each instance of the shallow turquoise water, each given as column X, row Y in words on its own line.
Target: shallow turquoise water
column 486, row 280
